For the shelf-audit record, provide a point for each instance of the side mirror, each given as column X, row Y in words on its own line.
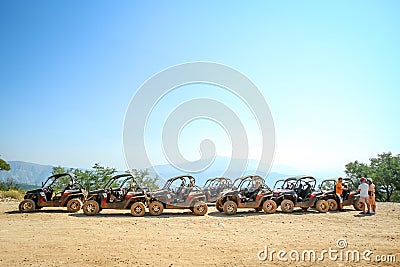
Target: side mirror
column 42, row 184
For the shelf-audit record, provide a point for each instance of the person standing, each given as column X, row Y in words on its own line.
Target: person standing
column 339, row 192
column 363, row 189
column 371, row 199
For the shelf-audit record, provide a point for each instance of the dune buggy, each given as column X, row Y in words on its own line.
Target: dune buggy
column 299, row 192
column 247, row 192
column 59, row 190
column 350, row 196
column 178, row 192
column 120, row 192
column 214, row 186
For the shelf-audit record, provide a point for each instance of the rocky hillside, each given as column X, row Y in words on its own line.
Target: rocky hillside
column 27, row 173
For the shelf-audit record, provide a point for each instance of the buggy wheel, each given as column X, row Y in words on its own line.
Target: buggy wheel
column 74, row 205
column 230, row 207
column 91, row 207
column 219, row 206
column 287, row 206
column 332, row 204
column 200, row 208
column 269, row 206
column 322, row 205
column 27, row 205
column 138, row 209
column 156, row 208
column 357, row 205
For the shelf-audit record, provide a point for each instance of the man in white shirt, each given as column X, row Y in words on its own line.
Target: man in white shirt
column 363, row 189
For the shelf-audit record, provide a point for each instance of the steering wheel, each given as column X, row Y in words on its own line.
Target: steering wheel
column 131, row 187
column 108, row 190
column 48, row 189
column 69, row 187
column 122, row 191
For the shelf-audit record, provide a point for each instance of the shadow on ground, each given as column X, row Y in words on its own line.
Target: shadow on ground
column 124, row 214
column 37, row 211
column 248, row 213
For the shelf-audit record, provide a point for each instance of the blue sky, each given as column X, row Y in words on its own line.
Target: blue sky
column 329, row 71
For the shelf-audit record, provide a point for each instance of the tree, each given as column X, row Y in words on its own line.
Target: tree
column 143, row 178
column 4, row 165
column 356, row 170
column 8, row 183
column 99, row 175
column 384, row 170
column 89, row 179
column 60, row 184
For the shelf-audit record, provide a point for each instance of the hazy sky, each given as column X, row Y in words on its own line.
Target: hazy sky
column 329, row 70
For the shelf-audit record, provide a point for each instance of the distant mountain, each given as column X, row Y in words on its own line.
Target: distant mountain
column 217, row 168
column 27, row 173
column 34, row 174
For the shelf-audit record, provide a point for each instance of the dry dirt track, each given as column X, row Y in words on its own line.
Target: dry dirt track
column 52, row 237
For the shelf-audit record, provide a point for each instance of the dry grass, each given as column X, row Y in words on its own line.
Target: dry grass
column 12, row 193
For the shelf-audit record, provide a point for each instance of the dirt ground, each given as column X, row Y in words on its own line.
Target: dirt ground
column 53, row 237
